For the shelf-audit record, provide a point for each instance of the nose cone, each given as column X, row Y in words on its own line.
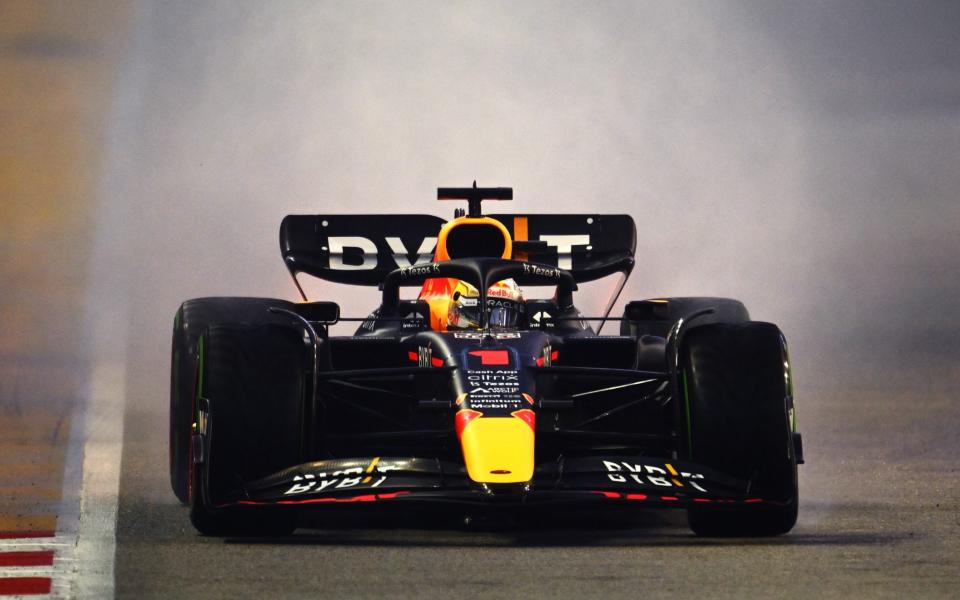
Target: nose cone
column 497, row 449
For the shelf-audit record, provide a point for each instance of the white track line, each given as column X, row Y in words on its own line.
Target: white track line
column 88, row 520
column 92, row 574
column 85, row 545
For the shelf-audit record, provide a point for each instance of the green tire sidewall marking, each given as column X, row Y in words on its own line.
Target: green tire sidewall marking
column 793, row 401
column 177, row 401
column 686, row 400
column 199, row 390
column 789, row 376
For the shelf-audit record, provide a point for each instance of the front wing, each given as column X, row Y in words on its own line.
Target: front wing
column 640, row 480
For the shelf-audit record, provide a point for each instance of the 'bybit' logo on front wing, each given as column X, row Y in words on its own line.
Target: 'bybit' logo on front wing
column 370, row 476
column 646, row 475
column 364, row 250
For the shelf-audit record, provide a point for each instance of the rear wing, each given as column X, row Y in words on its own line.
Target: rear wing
column 362, row 249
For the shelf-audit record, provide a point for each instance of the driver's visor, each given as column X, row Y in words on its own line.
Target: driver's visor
column 501, row 316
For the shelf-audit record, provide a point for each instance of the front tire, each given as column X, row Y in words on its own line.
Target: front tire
column 251, row 382
column 737, row 410
column 191, row 320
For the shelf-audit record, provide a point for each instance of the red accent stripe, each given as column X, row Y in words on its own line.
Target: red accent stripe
column 390, row 496
column 363, row 498
column 636, row 496
column 13, row 535
column 554, row 355
column 669, row 498
column 413, row 356
column 437, row 362
column 26, row 559
column 14, row 586
column 753, row 500
column 268, row 503
column 539, row 361
column 608, row 494
column 702, row 500
column 492, row 358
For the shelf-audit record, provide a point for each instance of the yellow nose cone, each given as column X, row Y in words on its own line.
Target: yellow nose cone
column 499, row 449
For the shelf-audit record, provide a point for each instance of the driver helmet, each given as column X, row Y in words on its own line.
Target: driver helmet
column 504, row 301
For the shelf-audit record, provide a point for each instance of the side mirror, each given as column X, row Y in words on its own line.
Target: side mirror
column 647, row 310
column 327, row 313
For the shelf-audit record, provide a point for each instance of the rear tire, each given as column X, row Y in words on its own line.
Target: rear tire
column 738, row 421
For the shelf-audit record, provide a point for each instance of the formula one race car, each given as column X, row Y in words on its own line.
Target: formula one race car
column 470, row 394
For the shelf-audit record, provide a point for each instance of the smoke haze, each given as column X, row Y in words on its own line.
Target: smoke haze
column 802, row 158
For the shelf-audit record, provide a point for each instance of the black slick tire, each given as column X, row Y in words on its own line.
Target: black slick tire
column 190, row 321
column 224, row 368
column 737, row 416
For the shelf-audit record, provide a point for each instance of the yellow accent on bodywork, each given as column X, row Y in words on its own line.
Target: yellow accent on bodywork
column 442, row 253
column 502, row 444
column 439, row 292
column 373, row 465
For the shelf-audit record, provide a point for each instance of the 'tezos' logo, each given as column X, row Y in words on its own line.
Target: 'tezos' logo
column 645, row 475
column 535, row 270
column 431, row 269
